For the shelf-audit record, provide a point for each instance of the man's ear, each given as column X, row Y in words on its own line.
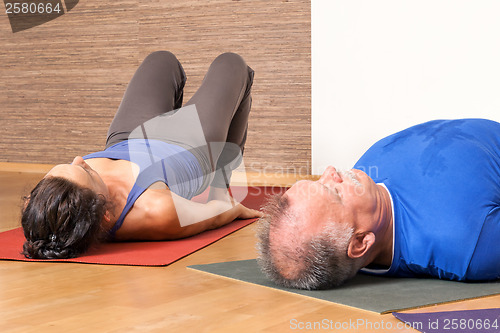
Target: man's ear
column 360, row 244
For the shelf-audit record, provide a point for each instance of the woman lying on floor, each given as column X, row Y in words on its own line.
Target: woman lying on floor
column 155, row 161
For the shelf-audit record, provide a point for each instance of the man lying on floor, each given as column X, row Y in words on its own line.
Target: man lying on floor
column 155, row 161
column 428, row 207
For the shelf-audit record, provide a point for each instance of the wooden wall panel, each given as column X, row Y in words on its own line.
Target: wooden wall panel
column 62, row 81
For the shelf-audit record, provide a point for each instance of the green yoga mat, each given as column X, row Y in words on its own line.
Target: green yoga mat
column 372, row 293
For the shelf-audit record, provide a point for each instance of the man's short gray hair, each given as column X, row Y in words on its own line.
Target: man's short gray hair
column 320, row 262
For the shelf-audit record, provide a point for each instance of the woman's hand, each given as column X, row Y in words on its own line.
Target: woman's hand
column 222, row 194
column 248, row 213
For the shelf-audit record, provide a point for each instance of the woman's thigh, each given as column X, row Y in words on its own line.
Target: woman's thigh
column 156, row 88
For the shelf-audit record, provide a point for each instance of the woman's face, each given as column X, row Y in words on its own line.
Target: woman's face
column 82, row 174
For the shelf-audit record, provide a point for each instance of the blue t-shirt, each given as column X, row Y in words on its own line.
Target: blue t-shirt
column 158, row 161
column 444, row 180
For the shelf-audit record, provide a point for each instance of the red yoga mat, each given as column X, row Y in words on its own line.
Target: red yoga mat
column 158, row 253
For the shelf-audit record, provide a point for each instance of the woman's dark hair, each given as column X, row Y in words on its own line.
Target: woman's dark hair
column 61, row 219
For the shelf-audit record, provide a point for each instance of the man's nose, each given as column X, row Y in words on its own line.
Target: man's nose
column 330, row 175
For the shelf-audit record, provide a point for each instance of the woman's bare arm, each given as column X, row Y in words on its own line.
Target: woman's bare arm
column 166, row 216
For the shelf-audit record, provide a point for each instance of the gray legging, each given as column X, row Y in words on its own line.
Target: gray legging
column 222, row 105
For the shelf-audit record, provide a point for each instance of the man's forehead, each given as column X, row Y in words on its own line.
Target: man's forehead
column 299, row 188
column 308, row 205
column 308, row 192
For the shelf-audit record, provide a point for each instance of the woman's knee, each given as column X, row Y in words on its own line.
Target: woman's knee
column 234, row 65
column 162, row 57
column 232, row 59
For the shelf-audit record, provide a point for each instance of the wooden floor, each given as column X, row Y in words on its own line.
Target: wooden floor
column 65, row 297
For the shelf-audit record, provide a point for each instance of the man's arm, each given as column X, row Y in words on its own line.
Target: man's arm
column 163, row 215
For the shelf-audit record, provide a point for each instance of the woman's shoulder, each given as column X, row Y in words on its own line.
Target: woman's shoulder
column 152, row 217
